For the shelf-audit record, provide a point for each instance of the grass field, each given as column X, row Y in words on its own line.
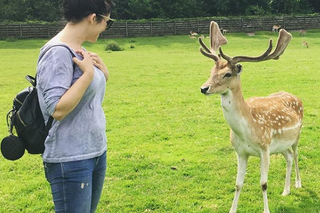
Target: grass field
column 168, row 145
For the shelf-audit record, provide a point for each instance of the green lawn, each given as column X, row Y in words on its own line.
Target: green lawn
column 168, row 145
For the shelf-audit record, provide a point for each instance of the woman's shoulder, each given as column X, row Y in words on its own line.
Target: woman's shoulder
column 56, row 46
column 56, row 51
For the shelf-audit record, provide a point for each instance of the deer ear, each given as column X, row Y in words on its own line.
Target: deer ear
column 238, row 69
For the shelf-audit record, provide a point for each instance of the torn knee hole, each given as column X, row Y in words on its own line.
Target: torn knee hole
column 84, row 184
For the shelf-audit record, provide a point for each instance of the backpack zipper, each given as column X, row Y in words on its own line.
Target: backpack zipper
column 18, row 113
column 16, row 99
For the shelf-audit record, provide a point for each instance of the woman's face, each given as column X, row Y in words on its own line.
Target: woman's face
column 97, row 28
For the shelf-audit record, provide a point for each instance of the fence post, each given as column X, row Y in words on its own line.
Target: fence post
column 198, row 26
column 126, row 28
column 20, row 28
column 162, row 30
column 151, row 31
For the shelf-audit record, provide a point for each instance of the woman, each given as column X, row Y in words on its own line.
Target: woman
column 71, row 86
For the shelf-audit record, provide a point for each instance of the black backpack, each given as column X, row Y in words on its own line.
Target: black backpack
column 27, row 120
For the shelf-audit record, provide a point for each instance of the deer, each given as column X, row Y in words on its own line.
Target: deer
column 259, row 126
column 305, row 44
column 251, row 34
column 303, row 32
column 193, row 33
column 276, row 28
column 223, row 31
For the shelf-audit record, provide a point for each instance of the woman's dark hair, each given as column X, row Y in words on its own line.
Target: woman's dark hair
column 76, row 10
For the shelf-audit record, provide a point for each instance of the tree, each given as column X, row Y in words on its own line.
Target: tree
column 49, row 10
column 23, row 10
column 43, row 10
column 121, row 10
column 314, row 5
column 139, row 8
column 12, row 10
column 290, row 6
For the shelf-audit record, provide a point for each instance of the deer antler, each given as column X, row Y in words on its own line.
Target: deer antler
column 283, row 41
column 216, row 40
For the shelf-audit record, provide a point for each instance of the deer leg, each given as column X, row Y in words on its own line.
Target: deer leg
column 295, row 157
column 242, row 167
column 288, row 156
column 264, row 169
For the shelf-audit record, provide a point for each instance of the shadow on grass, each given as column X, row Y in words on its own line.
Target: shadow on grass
column 308, row 201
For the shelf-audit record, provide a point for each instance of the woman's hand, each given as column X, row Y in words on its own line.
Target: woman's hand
column 98, row 62
column 86, row 64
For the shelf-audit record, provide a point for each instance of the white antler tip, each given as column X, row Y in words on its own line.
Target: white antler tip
column 284, row 32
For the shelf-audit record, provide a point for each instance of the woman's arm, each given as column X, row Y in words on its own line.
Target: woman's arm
column 75, row 93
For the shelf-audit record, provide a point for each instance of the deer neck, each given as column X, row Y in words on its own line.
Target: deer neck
column 236, row 111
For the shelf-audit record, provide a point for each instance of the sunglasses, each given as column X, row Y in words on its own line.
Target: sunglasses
column 109, row 21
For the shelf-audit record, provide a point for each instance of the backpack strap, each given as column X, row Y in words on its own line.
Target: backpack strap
column 49, row 124
column 33, row 80
column 56, row 45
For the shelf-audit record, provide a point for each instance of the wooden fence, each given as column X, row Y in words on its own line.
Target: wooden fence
column 167, row 27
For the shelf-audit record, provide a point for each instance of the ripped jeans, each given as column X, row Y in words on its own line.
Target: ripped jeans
column 76, row 186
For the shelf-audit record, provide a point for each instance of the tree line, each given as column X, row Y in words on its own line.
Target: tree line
column 49, row 10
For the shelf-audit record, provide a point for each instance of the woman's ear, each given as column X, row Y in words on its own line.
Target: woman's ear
column 92, row 18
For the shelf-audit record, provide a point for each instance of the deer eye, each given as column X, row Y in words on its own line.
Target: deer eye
column 228, row 75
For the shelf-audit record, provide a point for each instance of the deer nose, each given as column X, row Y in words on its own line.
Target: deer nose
column 204, row 90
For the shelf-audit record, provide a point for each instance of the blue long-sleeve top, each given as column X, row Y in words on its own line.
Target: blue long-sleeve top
column 82, row 133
